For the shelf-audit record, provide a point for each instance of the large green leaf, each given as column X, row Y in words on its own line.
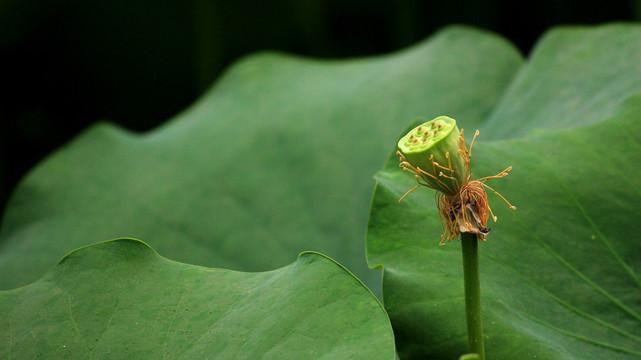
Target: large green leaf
column 560, row 276
column 277, row 158
column 119, row 299
column 575, row 76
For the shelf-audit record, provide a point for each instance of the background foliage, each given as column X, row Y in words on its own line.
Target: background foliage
column 277, row 158
column 196, row 186
column 67, row 64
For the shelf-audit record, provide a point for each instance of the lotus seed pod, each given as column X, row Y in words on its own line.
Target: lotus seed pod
column 433, row 147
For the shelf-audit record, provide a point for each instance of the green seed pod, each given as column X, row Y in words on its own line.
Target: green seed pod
column 433, row 149
column 435, row 152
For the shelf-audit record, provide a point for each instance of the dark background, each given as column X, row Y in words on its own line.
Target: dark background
column 66, row 64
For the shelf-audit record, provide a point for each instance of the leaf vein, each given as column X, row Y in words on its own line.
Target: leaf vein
column 75, row 326
column 577, row 336
column 602, row 237
column 562, row 302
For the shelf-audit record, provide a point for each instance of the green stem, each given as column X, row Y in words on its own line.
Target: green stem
column 470, row 247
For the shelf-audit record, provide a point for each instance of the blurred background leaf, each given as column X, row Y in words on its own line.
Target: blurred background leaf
column 277, row 158
column 66, row 64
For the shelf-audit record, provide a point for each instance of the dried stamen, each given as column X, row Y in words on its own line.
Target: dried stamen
column 465, row 209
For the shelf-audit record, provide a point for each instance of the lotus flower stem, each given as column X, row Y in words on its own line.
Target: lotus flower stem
column 436, row 154
column 470, row 245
